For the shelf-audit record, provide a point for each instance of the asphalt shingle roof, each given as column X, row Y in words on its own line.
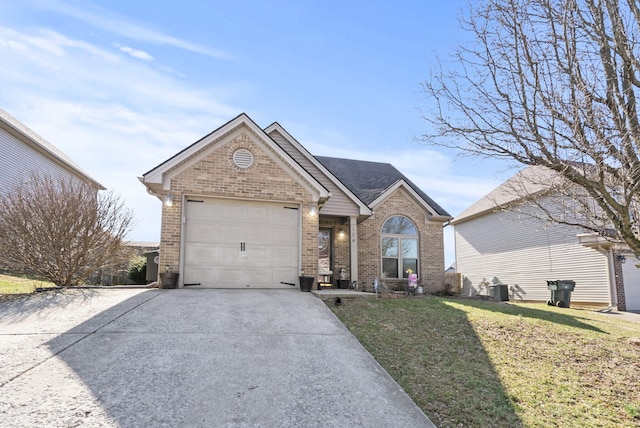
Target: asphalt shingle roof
column 368, row 180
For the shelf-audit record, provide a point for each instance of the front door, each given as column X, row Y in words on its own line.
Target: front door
column 325, row 271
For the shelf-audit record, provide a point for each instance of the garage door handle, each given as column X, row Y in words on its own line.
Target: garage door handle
column 243, row 246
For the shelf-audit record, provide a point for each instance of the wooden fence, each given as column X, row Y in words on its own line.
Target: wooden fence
column 455, row 280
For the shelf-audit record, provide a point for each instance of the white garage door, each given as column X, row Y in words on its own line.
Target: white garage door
column 631, row 275
column 241, row 244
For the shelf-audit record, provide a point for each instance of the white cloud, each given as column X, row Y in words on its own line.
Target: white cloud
column 115, row 116
column 122, row 26
column 135, row 52
column 118, row 117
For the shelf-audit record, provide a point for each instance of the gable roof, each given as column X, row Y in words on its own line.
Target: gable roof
column 370, row 181
column 35, row 141
column 530, row 181
column 366, row 183
column 363, row 207
column 160, row 176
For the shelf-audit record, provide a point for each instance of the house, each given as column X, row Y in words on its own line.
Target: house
column 496, row 243
column 24, row 152
column 246, row 207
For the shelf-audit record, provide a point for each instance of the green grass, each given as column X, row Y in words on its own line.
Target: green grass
column 470, row 363
column 11, row 284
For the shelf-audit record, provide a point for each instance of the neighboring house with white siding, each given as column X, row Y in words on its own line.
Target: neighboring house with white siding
column 23, row 152
column 513, row 247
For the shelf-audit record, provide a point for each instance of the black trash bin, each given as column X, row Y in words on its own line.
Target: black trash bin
column 560, row 292
column 306, row 282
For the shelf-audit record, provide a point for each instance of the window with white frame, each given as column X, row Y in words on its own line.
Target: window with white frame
column 399, row 247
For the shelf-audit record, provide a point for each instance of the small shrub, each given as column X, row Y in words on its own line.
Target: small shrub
column 138, row 269
column 445, row 291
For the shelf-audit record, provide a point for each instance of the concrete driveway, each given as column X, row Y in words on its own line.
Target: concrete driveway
column 192, row 358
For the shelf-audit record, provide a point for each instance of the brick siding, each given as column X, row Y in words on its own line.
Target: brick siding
column 431, row 243
column 215, row 175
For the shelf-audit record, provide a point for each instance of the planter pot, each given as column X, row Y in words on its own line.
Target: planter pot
column 169, row 279
column 306, row 282
column 343, row 284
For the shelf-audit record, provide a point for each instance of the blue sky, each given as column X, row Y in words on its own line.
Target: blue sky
column 120, row 86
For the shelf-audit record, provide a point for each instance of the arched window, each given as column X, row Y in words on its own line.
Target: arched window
column 399, row 247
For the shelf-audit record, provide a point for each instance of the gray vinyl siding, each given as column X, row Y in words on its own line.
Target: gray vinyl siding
column 339, row 203
column 18, row 161
column 523, row 252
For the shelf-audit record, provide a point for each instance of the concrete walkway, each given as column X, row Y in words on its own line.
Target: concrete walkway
column 189, row 358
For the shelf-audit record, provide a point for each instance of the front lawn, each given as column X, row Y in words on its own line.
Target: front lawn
column 12, row 284
column 471, row 363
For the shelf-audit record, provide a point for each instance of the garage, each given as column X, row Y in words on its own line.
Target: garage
column 631, row 275
column 232, row 243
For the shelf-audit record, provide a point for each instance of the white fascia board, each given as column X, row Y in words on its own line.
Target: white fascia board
column 156, row 175
column 433, row 215
column 364, row 209
column 595, row 240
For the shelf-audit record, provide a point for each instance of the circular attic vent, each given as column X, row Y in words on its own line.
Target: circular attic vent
column 243, row 158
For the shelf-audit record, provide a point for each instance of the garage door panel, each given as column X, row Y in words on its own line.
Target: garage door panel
column 207, row 231
column 231, row 211
column 258, row 235
column 223, row 277
column 257, row 257
column 199, row 210
column 214, row 231
column 226, row 255
column 199, row 254
column 286, row 275
column 286, row 216
column 259, row 214
column 286, row 257
column 194, row 275
column 284, row 236
column 259, row 276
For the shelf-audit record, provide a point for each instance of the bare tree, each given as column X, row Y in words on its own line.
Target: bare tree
column 61, row 229
column 551, row 83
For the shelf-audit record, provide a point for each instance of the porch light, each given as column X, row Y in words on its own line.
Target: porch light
column 168, row 200
column 341, row 234
column 621, row 258
column 312, row 211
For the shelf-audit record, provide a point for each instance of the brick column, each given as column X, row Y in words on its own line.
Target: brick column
column 619, row 288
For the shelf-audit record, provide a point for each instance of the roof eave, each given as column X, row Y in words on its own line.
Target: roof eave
column 363, row 208
column 158, row 176
column 402, row 183
column 23, row 132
